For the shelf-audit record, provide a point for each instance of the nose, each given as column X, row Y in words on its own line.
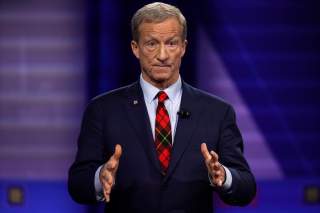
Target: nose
column 162, row 54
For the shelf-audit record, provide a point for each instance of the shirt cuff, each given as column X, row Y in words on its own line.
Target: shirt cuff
column 98, row 186
column 228, row 182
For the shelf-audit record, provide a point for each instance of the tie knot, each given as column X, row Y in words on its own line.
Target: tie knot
column 162, row 96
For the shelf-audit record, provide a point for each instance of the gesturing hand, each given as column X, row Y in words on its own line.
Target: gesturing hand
column 215, row 169
column 108, row 172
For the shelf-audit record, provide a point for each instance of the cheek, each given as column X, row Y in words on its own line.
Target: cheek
column 177, row 59
column 147, row 59
column 177, row 55
column 146, row 64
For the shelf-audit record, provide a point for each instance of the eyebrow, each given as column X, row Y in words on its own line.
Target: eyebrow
column 148, row 38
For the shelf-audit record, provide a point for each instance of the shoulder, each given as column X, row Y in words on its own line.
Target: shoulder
column 209, row 104
column 206, row 97
column 113, row 97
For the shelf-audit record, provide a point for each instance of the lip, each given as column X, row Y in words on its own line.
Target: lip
column 165, row 65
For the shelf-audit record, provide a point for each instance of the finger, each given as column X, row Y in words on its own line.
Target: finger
column 221, row 180
column 107, row 184
column 217, row 170
column 214, row 155
column 214, row 173
column 214, row 179
column 107, row 197
column 219, row 177
column 106, row 176
column 219, row 183
column 205, row 152
column 109, row 178
column 106, row 191
column 106, row 188
column 217, row 180
column 216, row 167
column 217, row 173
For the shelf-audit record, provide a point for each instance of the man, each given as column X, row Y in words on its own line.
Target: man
column 160, row 145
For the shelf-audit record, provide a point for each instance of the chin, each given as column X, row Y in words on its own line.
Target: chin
column 159, row 80
column 161, row 77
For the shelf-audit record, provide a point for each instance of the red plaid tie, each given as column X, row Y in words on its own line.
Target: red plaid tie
column 163, row 138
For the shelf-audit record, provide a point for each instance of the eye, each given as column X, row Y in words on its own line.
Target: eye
column 151, row 44
column 173, row 43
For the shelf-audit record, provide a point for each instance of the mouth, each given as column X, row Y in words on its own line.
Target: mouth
column 162, row 65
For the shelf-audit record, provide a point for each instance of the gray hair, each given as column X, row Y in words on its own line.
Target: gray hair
column 156, row 12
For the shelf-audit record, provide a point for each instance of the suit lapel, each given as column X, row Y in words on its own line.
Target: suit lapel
column 139, row 119
column 185, row 126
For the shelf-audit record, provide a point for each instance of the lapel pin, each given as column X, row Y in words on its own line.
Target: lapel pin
column 135, row 102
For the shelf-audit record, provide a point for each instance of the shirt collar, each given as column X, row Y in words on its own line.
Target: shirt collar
column 150, row 91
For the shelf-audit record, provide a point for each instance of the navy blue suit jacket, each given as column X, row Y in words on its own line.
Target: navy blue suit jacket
column 120, row 117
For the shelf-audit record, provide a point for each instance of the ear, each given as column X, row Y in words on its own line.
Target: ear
column 135, row 48
column 184, row 46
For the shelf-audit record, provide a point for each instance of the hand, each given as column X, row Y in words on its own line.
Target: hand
column 215, row 169
column 108, row 172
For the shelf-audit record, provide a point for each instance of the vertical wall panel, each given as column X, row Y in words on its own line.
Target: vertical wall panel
column 42, row 86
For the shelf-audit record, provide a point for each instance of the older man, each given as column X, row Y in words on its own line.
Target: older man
column 160, row 145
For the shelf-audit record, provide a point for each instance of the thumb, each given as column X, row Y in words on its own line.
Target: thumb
column 113, row 162
column 117, row 153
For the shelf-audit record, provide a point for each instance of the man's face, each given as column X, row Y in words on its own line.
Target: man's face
column 159, row 50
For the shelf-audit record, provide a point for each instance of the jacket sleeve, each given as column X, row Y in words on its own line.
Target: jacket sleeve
column 243, row 187
column 90, row 155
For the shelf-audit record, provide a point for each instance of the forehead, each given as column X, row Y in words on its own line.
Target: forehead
column 168, row 27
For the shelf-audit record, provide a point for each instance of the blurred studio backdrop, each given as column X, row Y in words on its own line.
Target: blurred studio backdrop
column 261, row 56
